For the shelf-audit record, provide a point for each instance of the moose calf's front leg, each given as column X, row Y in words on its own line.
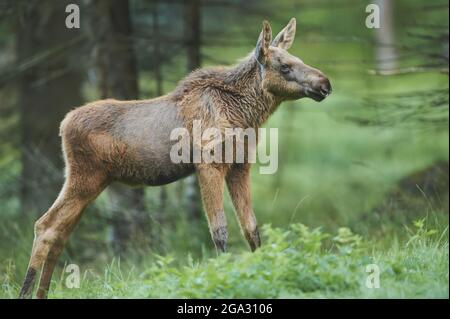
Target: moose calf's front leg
column 238, row 182
column 211, row 180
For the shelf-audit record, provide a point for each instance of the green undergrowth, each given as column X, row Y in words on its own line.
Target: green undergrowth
column 298, row 262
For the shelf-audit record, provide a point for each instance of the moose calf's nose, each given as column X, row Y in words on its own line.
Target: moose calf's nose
column 325, row 87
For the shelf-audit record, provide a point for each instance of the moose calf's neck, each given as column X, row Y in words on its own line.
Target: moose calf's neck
column 231, row 96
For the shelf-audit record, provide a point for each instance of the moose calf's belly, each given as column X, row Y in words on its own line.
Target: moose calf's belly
column 155, row 174
column 150, row 165
column 144, row 131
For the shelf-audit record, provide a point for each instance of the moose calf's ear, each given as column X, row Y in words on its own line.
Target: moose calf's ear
column 262, row 46
column 285, row 38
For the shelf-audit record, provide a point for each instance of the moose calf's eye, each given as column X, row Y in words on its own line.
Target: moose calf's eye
column 285, row 68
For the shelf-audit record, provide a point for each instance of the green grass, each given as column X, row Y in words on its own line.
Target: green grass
column 296, row 263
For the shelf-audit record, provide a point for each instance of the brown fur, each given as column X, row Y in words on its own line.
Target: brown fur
column 128, row 141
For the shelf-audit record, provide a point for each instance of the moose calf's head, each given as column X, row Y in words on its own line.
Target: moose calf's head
column 284, row 75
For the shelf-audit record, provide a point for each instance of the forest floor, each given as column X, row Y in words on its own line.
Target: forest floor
column 296, row 263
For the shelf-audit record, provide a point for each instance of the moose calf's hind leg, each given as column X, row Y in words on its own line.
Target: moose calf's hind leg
column 47, row 270
column 54, row 227
column 211, row 182
column 41, row 246
column 68, row 217
column 28, row 283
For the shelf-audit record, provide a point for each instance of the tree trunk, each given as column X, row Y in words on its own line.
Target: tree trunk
column 116, row 65
column 47, row 91
column 192, row 33
column 386, row 55
column 192, row 24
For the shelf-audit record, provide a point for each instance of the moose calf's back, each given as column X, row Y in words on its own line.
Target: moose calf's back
column 128, row 140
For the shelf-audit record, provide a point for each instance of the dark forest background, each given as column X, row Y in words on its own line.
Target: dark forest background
column 374, row 156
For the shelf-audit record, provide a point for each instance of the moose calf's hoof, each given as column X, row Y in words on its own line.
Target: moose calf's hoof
column 220, row 238
column 254, row 239
column 27, row 287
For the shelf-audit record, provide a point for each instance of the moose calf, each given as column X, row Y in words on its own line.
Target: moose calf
column 129, row 141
